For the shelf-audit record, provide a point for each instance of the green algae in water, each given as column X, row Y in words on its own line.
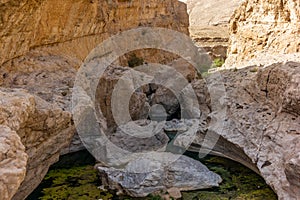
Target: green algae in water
column 239, row 182
column 75, row 183
column 74, row 177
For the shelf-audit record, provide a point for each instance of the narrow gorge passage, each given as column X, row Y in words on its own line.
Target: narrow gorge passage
column 224, row 74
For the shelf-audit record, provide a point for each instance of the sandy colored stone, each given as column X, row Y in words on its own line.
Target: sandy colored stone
column 209, row 24
column 35, row 127
column 27, row 25
column 13, row 160
column 174, row 193
column 42, row 44
column 260, row 27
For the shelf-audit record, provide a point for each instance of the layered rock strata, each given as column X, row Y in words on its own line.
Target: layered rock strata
column 209, row 24
column 260, row 126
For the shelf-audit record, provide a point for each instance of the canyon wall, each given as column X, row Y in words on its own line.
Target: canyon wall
column 264, row 31
column 42, row 44
column 26, row 25
column 209, row 24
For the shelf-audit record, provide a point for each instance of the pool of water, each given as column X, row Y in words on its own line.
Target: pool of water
column 74, row 178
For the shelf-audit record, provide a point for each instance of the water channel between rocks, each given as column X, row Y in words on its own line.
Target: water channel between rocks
column 74, row 177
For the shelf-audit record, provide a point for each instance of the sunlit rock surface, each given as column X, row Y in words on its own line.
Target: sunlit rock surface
column 263, row 30
column 209, row 24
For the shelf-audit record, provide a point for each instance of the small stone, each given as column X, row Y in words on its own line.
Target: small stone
column 175, row 193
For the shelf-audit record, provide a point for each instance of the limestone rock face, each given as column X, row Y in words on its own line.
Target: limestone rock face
column 27, row 25
column 57, row 37
column 209, row 24
column 261, row 27
column 13, row 160
column 159, row 172
column 263, row 119
column 129, row 141
column 35, row 129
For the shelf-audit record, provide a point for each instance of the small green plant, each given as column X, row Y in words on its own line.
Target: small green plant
column 218, row 62
column 254, row 69
column 135, row 61
column 205, row 74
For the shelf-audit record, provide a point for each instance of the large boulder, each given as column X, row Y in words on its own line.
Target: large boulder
column 157, row 172
column 153, row 86
column 130, row 139
column 128, row 142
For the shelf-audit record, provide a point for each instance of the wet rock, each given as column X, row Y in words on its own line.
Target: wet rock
column 159, row 171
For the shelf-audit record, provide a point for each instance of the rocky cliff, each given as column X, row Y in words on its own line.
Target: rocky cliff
column 43, row 43
column 209, row 24
column 264, row 29
column 27, row 25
